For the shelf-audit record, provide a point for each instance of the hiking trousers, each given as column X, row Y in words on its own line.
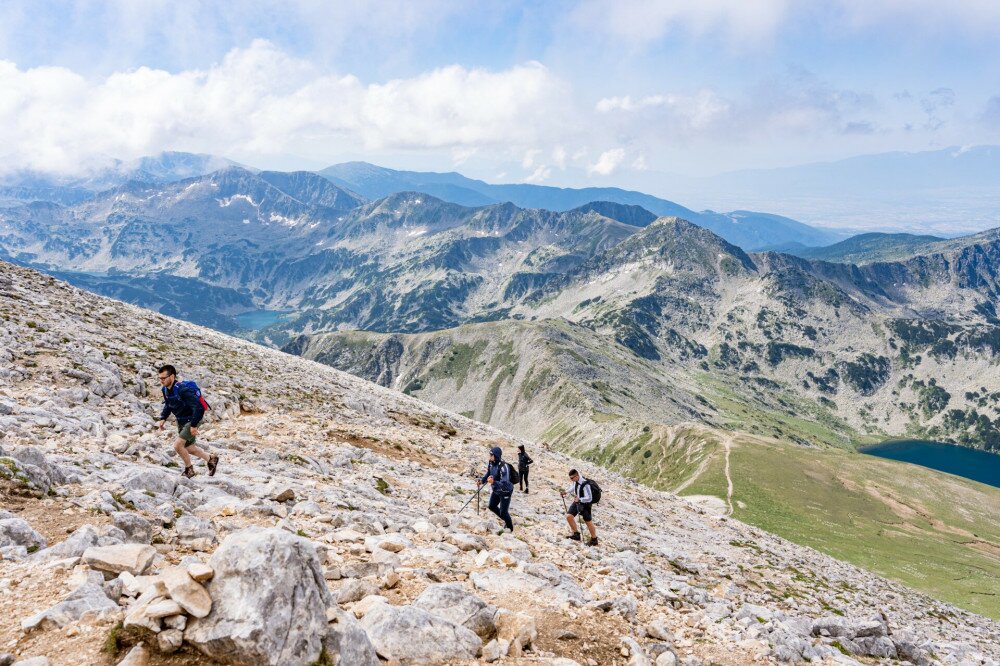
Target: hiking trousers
column 500, row 505
column 523, row 473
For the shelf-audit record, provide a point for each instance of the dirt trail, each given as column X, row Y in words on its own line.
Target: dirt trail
column 728, row 443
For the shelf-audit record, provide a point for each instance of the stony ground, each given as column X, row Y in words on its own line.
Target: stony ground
column 372, row 481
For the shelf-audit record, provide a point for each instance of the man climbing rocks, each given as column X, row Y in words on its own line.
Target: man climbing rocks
column 523, row 462
column 184, row 401
column 582, row 506
column 498, row 476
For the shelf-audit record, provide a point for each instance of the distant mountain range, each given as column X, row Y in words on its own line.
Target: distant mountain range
column 604, row 311
column 750, row 230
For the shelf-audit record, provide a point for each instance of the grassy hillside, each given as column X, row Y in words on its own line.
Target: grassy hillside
column 935, row 532
column 870, row 247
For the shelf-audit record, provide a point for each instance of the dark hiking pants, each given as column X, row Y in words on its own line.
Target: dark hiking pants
column 523, row 472
column 500, row 505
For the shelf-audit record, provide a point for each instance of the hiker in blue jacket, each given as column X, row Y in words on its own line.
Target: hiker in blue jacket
column 183, row 400
column 498, row 476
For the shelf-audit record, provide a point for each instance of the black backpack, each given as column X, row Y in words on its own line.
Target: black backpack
column 515, row 478
column 595, row 491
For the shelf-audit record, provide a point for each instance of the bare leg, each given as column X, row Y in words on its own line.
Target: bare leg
column 181, row 449
column 591, row 529
column 572, row 523
column 198, row 451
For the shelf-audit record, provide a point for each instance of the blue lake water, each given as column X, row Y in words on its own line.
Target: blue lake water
column 259, row 319
column 971, row 463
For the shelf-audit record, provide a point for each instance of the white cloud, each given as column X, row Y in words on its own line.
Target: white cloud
column 559, row 157
column 637, row 23
column 696, row 111
column 542, row 173
column 529, row 158
column 972, row 16
column 607, row 162
column 461, row 154
column 261, row 101
column 626, row 103
column 642, row 21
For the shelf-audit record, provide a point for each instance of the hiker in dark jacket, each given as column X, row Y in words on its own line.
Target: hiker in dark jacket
column 523, row 462
column 183, row 401
column 498, row 476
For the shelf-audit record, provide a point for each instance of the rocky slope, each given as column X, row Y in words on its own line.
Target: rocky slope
column 340, row 500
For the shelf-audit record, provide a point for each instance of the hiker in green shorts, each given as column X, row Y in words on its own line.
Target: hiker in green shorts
column 185, row 402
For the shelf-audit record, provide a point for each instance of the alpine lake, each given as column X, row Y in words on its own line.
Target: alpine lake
column 981, row 466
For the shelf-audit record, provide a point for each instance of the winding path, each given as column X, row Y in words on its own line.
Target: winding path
column 728, row 443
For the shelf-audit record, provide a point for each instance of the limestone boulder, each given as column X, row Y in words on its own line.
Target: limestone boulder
column 17, row 532
column 347, row 643
column 453, row 602
column 411, row 635
column 269, row 601
column 134, row 558
column 87, row 601
column 136, row 528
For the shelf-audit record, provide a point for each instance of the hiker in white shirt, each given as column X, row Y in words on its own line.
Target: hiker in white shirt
column 582, row 506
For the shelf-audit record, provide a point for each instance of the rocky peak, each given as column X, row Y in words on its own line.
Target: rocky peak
column 683, row 246
column 636, row 216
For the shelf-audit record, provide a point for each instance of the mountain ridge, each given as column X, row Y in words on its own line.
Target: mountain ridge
column 745, row 228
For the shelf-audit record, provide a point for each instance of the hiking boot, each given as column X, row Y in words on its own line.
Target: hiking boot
column 575, row 536
column 188, row 472
column 213, row 463
column 592, row 542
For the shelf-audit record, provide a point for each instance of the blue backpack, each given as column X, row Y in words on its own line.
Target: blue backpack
column 189, row 383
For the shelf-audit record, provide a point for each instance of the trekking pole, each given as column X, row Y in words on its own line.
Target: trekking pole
column 470, row 500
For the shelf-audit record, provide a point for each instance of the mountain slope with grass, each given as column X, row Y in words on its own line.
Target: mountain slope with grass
column 869, row 248
column 819, row 353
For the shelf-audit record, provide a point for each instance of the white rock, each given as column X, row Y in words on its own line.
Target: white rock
column 87, row 601
column 186, row 591
column 137, row 656
column 453, row 602
column 164, row 608
column 667, row 658
column 514, row 626
column 169, row 640
column 134, row 558
column 200, row 572
column 269, row 600
column 414, row 636
column 363, row 607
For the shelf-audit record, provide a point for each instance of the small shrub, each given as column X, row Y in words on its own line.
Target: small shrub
column 113, row 643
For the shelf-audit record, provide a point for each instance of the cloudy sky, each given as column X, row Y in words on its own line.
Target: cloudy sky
column 567, row 93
